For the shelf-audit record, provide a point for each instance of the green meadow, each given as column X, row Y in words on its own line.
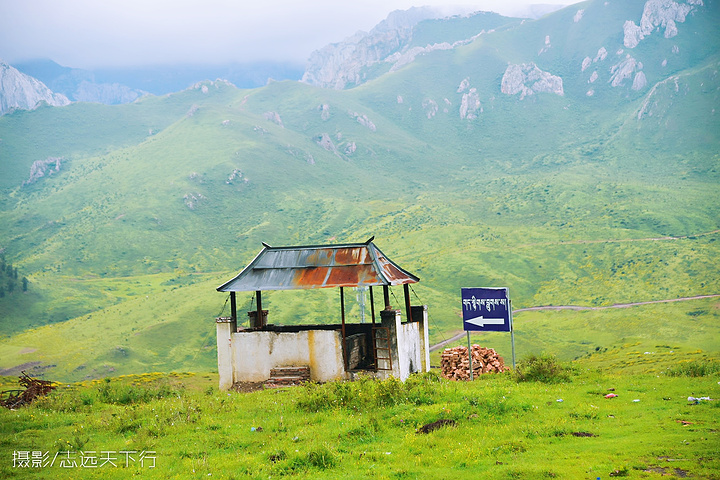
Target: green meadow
column 553, row 422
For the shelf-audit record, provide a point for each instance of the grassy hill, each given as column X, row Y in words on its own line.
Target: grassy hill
column 567, row 200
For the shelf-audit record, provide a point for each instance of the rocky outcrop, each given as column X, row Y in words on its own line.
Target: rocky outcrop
column 399, row 60
column 470, row 105
column 546, row 47
column 193, row 200
column 324, row 111
column 206, row 85
column 578, row 15
column 660, row 14
column 639, row 82
column 625, row 70
column 43, row 168
column 464, row 85
column 235, row 176
column 344, row 64
column 274, row 117
column 325, row 142
column 340, row 65
column 628, row 68
column 587, row 61
column 364, row 121
column 632, row 34
column 601, row 55
column 23, row 92
column 527, row 79
column 350, row 148
column 301, row 154
column 430, row 107
column 651, row 106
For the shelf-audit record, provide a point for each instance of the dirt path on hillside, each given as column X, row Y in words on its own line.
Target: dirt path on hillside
column 617, row 305
column 578, row 307
column 619, row 240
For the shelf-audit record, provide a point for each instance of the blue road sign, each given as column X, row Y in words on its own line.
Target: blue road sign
column 486, row 309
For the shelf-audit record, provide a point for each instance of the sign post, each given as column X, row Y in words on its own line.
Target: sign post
column 512, row 334
column 487, row 309
column 470, row 356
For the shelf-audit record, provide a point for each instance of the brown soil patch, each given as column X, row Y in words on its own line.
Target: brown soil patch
column 33, row 368
column 247, row 387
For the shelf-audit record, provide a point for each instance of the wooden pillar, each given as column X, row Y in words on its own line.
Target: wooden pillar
column 386, row 296
column 233, row 307
column 259, row 319
column 408, row 310
column 372, row 306
column 342, row 317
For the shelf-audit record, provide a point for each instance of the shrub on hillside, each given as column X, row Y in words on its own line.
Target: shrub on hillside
column 542, row 368
column 695, row 368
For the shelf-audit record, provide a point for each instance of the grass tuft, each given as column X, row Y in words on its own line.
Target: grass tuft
column 367, row 392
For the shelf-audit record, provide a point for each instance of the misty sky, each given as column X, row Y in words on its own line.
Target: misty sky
column 111, row 33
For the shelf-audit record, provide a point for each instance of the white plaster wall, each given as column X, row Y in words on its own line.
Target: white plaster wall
column 406, row 350
column 410, row 358
column 256, row 353
column 224, row 351
column 391, row 320
column 249, row 356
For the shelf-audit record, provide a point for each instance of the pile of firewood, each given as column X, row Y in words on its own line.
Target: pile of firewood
column 34, row 388
column 455, row 364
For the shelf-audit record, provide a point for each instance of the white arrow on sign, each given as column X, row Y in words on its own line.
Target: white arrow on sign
column 482, row 321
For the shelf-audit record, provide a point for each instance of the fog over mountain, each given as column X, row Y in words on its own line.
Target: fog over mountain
column 97, row 35
column 164, row 51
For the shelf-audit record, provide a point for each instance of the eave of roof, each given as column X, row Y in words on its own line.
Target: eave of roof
column 318, row 266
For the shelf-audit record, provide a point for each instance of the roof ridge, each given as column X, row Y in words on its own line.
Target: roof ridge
column 332, row 245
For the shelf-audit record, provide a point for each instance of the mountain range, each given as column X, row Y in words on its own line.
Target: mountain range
column 572, row 158
column 112, row 86
column 125, row 85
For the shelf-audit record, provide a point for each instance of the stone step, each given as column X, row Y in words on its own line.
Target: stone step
column 290, row 371
column 274, row 383
column 287, row 376
column 292, row 378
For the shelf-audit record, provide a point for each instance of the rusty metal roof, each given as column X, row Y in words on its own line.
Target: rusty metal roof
column 318, row 266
